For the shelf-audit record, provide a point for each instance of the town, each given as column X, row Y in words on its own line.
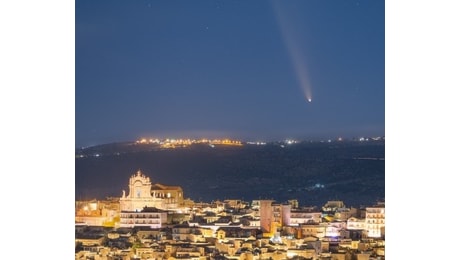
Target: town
column 157, row 221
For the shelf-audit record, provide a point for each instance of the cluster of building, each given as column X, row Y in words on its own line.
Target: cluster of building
column 178, row 143
column 155, row 221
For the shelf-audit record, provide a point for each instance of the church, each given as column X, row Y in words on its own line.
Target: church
column 143, row 194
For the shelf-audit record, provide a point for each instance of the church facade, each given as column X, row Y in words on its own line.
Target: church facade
column 142, row 193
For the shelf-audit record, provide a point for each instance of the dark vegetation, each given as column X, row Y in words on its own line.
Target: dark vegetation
column 310, row 172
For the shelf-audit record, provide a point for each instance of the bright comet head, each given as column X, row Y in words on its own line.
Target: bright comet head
column 309, row 100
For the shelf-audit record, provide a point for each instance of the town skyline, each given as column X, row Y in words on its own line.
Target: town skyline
column 157, row 217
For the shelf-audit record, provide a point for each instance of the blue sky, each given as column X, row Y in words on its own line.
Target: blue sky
column 228, row 69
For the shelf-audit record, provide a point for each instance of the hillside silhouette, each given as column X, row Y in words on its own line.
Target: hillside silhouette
column 310, row 172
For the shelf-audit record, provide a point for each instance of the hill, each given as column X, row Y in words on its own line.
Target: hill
column 310, row 172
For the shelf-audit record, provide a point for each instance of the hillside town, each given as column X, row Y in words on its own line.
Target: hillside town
column 156, row 221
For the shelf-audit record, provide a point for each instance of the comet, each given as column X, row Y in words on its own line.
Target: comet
column 295, row 47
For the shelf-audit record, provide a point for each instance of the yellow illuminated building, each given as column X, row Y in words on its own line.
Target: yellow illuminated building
column 98, row 212
column 172, row 196
column 375, row 221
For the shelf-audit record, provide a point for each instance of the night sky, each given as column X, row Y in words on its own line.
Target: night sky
column 237, row 69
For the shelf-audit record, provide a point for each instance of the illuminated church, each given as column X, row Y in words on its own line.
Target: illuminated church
column 143, row 194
